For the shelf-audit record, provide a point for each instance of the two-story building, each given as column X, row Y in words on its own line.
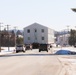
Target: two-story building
column 37, row 33
column 62, row 38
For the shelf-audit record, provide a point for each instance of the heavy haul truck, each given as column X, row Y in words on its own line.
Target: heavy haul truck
column 44, row 47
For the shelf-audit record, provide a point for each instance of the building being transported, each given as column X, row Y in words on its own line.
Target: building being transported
column 37, row 33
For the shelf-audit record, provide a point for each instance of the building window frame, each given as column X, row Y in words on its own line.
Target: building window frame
column 28, row 38
column 42, row 30
column 43, row 38
column 28, row 30
column 35, row 30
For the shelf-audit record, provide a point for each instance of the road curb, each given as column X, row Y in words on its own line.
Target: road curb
column 2, row 54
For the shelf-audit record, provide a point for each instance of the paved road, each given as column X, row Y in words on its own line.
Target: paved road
column 29, row 64
column 35, row 63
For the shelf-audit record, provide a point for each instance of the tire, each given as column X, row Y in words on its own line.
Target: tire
column 47, row 50
column 23, row 51
column 16, row 51
column 39, row 50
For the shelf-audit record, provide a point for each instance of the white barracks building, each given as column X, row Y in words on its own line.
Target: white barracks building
column 36, row 33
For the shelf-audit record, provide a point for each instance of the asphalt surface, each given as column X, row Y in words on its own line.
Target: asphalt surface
column 30, row 63
column 37, row 63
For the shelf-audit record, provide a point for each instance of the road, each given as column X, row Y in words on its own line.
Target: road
column 68, row 64
column 35, row 63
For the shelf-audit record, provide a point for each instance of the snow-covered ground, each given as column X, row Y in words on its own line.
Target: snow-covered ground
column 54, row 49
column 5, row 50
column 68, row 65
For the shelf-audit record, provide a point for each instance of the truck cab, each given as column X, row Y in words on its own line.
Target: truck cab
column 44, row 47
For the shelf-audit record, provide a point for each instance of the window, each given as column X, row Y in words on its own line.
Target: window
column 42, row 30
column 35, row 30
column 42, row 38
column 28, row 31
column 28, row 38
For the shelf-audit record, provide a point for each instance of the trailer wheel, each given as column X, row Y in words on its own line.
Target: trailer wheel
column 39, row 50
column 47, row 50
column 23, row 51
column 16, row 51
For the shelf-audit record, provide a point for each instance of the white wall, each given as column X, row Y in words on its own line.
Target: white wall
column 38, row 34
column 50, row 35
column 63, row 39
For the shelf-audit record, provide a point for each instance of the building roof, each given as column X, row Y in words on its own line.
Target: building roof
column 37, row 24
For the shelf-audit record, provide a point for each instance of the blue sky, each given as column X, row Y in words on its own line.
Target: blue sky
column 56, row 14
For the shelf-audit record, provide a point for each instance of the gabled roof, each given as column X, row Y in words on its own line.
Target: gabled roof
column 38, row 24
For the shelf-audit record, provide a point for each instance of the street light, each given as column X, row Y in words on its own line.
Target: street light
column 73, row 9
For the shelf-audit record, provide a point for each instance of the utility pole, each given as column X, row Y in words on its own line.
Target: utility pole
column 15, row 35
column 0, row 35
column 68, row 28
column 8, row 36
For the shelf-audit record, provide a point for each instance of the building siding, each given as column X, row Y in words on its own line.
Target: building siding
column 36, row 37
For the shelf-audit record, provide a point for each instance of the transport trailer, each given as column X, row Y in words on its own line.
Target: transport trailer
column 35, row 45
column 28, row 46
column 44, row 47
